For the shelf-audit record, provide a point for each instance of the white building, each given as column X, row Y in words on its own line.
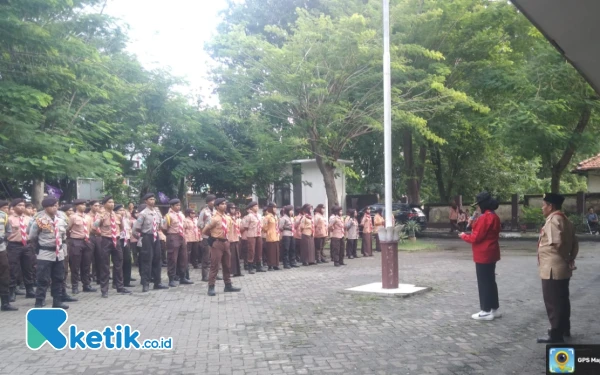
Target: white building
column 308, row 186
column 591, row 169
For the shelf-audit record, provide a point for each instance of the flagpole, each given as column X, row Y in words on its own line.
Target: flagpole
column 387, row 110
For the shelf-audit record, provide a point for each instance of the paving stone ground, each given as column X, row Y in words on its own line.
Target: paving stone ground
column 298, row 322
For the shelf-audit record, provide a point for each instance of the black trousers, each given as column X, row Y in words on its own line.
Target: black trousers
column 351, row 248
column 558, row 306
column 4, row 273
column 288, row 253
column 126, row 262
column 150, row 259
column 486, row 282
column 49, row 271
column 19, row 259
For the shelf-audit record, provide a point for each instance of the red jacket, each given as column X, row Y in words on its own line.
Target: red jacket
column 484, row 238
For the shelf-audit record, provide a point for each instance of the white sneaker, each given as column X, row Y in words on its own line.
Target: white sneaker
column 483, row 315
column 497, row 314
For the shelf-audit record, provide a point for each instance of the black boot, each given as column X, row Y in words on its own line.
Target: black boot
column 18, row 291
column 57, row 303
column 251, row 269
column 186, row 281
column 259, row 268
column 160, row 286
column 123, row 291
column 12, row 296
column 75, row 290
column 172, row 283
column 211, row 291
column 39, row 303
column 89, row 289
column 230, row 289
column 30, row 292
column 68, row 298
column 6, row 304
column 145, row 288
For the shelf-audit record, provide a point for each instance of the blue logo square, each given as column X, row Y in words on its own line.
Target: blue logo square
column 561, row 360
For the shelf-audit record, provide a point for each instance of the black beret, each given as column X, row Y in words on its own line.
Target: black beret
column 147, row 196
column 219, row 201
column 49, row 202
column 118, row 207
column 66, row 208
column 189, row 211
column 210, row 198
column 17, row 201
column 106, row 199
column 77, row 202
column 173, row 202
column 481, row 197
column 93, row 202
column 252, row 204
column 230, row 205
column 552, row 198
column 3, row 203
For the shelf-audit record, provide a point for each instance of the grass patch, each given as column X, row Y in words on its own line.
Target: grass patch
column 417, row 246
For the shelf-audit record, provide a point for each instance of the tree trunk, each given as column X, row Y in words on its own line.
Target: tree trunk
column 412, row 179
column 436, row 158
column 37, row 193
column 328, row 172
column 565, row 160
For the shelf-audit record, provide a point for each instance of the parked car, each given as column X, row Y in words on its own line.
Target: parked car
column 402, row 213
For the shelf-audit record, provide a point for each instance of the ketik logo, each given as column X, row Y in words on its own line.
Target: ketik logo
column 43, row 325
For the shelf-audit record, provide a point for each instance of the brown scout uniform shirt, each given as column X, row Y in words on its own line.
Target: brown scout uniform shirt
column 215, row 226
column 558, row 246
column 77, row 222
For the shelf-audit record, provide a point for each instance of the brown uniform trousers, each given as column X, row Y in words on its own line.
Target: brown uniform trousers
column 177, row 257
column 96, row 242
column 273, row 254
column 244, row 252
column 19, row 259
column 206, row 258
column 255, row 250
column 194, row 254
column 4, row 273
column 319, row 248
column 220, row 255
column 558, row 306
column 107, row 251
column 337, row 250
column 80, row 261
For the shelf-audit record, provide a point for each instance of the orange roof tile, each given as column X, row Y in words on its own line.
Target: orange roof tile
column 590, row 164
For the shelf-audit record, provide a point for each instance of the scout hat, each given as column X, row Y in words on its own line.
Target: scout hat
column 219, row 201
column 77, row 202
column 252, row 204
column 17, row 201
column 173, row 202
column 147, row 196
column 106, row 199
column 49, row 202
column 481, row 197
column 210, row 198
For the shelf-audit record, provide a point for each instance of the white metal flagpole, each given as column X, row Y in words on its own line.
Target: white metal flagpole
column 387, row 118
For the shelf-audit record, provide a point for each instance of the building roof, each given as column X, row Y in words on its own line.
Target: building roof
column 573, row 28
column 590, row 164
column 306, row 161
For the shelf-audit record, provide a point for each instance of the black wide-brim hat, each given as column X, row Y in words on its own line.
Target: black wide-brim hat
column 481, row 197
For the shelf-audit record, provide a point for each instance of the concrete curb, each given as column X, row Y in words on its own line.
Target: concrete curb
column 384, row 295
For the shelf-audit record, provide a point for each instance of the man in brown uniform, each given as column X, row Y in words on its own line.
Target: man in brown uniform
column 253, row 227
column 110, row 225
column 216, row 230
column 177, row 255
column 80, row 248
column 557, row 250
column 95, row 239
column 320, row 233
column 19, row 249
column 203, row 219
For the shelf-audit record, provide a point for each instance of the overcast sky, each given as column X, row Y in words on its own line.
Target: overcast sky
column 171, row 34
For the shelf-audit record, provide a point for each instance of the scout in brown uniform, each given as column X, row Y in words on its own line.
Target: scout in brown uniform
column 557, row 250
column 219, row 252
column 367, row 224
column 233, row 236
column 192, row 238
column 286, row 228
column 4, row 266
column 80, row 248
column 244, row 239
column 177, row 254
column 125, row 241
column 95, row 239
column 203, row 219
column 336, row 232
column 110, row 225
column 271, row 229
column 351, row 226
column 306, row 226
column 378, row 222
column 320, row 234
column 297, row 233
column 253, row 227
column 19, row 249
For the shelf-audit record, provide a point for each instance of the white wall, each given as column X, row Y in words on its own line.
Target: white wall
column 593, row 182
column 315, row 194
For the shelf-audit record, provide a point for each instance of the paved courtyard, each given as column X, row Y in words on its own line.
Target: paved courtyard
column 297, row 322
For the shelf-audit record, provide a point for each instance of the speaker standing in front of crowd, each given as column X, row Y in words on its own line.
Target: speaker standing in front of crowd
column 4, row 265
column 216, row 230
column 110, row 225
column 19, row 249
column 557, row 249
column 80, row 248
column 48, row 232
column 177, row 254
column 484, row 240
column 147, row 225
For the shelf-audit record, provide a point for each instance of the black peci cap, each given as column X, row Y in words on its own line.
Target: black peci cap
column 555, row 199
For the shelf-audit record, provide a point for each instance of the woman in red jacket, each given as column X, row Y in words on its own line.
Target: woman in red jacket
column 486, row 252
